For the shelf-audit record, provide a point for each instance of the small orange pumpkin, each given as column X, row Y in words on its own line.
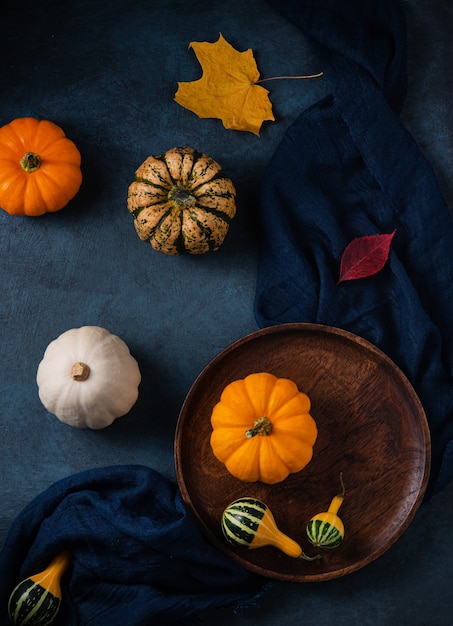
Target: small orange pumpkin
column 39, row 167
column 262, row 428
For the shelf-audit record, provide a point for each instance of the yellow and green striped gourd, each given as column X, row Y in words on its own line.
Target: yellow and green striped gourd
column 36, row 600
column 326, row 530
column 249, row 523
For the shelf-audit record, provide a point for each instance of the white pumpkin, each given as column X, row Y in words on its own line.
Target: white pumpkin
column 88, row 377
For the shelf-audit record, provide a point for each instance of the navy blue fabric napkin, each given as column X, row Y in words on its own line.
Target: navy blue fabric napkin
column 347, row 168
column 139, row 558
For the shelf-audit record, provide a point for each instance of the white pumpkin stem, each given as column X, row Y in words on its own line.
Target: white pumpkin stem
column 80, row 371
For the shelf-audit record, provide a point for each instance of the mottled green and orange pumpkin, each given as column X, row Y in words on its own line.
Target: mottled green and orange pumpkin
column 181, row 202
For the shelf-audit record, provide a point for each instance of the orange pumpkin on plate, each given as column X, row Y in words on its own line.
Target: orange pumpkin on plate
column 262, row 428
column 39, row 167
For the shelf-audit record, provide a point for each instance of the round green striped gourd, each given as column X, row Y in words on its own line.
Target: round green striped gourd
column 248, row 523
column 326, row 530
column 36, row 600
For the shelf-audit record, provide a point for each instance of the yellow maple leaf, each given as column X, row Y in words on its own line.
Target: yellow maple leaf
column 227, row 89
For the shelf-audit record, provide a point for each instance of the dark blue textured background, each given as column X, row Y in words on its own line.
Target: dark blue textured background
column 107, row 74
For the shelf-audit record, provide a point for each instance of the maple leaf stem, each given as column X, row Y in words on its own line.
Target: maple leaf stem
column 263, row 80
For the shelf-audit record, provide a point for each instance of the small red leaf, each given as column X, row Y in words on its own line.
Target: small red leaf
column 365, row 256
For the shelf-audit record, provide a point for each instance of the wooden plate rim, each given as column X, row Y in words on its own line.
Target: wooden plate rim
column 239, row 343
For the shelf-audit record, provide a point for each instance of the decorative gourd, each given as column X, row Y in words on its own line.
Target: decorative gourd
column 181, row 202
column 262, row 428
column 88, row 377
column 36, row 600
column 326, row 530
column 39, row 167
column 249, row 523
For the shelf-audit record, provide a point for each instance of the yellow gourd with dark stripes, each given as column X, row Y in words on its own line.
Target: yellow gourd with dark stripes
column 326, row 530
column 249, row 523
column 36, row 600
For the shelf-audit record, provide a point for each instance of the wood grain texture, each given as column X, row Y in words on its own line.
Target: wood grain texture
column 372, row 428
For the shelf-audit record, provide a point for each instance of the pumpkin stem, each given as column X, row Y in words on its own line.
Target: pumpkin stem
column 181, row 197
column 30, row 162
column 80, row 371
column 262, row 426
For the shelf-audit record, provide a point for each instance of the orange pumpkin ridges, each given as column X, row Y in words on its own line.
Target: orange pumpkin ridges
column 39, row 167
column 262, row 428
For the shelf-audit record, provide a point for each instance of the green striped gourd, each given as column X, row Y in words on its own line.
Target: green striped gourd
column 181, row 202
column 249, row 523
column 36, row 600
column 326, row 530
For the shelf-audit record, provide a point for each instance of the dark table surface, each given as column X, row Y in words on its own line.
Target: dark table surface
column 108, row 74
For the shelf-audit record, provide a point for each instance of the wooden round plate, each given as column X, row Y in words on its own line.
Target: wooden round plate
column 372, row 429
